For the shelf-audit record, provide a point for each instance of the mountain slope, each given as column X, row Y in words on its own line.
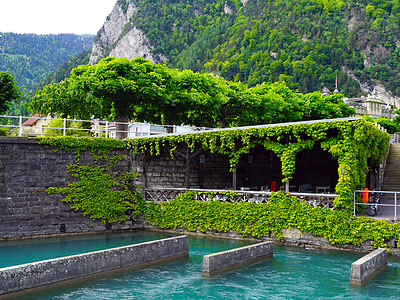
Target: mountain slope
column 31, row 57
column 306, row 43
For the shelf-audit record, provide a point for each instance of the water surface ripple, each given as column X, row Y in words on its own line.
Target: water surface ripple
column 292, row 273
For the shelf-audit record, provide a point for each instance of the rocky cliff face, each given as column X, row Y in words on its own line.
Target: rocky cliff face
column 377, row 89
column 119, row 38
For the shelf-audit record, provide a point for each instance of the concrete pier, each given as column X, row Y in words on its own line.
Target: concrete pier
column 367, row 266
column 22, row 277
column 221, row 261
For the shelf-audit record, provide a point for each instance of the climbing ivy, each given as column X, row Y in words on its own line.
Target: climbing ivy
column 265, row 219
column 68, row 143
column 354, row 143
column 98, row 192
column 102, row 194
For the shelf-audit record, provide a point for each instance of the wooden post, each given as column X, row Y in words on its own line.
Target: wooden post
column 234, row 179
column 144, row 170
column 188, row 159
column 234, row 183
column 201, row 176
column 187, row 177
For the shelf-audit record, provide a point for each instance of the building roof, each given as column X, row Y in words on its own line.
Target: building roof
column 32, row 120
column 349, row 119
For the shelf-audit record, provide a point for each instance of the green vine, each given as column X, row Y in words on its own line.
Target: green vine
column 98, row 192
column 352, row 143
column 101, row 195
column 103, row 146
column 263, row 219
column 106, row 195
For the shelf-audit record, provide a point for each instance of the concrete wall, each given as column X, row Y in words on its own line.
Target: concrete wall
column 217, row 262
column 367, row 266
column 17, row 278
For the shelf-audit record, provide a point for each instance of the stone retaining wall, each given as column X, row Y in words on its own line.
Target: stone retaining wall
column 290, row 237
column 22, row 277
column 26, row 170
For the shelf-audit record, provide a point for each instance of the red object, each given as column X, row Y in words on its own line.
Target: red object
column 365, row 195
column 273, row 186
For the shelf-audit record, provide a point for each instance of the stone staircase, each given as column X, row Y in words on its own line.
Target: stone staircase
column 391, row 183
column 391, row 179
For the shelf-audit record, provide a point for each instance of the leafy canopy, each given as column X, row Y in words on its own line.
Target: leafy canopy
column 144, row 91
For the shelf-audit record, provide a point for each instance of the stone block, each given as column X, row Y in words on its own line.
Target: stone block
column 221, row 261
column 369, row 265
column 36, row 274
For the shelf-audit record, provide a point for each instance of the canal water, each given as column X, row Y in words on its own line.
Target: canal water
column 292, row 273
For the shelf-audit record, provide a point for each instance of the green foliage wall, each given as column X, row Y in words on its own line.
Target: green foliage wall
column 109, row 196
column 99, row 191
column 353, row 143
column 267, row 219
column 356, row 144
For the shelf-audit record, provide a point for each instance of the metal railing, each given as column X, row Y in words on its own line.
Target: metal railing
column 166, row 194
column 31, row 129
column 383, row 203
column 39, row 126
column 395, row 137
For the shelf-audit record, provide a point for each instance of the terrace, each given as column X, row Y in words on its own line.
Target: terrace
column 300, row 158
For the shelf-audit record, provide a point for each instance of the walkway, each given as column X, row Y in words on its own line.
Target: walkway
column 391, row 182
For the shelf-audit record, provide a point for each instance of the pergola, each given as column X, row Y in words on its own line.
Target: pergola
column 309, row 157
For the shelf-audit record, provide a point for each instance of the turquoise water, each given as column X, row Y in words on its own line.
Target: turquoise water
column 18, row 252
column 293, row 273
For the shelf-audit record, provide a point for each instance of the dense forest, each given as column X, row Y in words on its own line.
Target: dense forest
column 31, row 59
column 306, row 43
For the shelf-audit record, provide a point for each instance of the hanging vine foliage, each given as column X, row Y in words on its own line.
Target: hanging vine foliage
column 353, row 143
column 108, row 196
column 99, row 192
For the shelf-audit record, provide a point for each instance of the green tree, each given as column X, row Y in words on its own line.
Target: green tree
column 120, row 89
column 315, row 106
column 391, row 125
column 9, row 91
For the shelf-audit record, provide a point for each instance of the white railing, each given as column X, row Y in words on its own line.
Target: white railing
column 395, row 137
column 39, row 126
column 383, row 203
column 380, row 127
column 158, row 195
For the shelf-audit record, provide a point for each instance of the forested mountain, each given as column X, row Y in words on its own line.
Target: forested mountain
column 32, row 58
column 64, row 70
column 306, row 43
